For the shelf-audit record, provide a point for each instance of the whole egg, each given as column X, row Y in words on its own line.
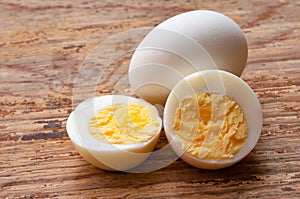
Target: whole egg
column 184, row 44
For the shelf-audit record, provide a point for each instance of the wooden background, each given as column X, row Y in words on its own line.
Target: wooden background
column 42, row 46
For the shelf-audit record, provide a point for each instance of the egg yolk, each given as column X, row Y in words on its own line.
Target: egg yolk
column 125, row 123
column 210, row 126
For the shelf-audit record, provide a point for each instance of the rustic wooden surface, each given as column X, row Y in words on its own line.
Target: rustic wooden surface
column 42, row 46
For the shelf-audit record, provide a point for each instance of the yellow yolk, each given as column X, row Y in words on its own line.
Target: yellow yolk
column 210, row 126
column 125, row 123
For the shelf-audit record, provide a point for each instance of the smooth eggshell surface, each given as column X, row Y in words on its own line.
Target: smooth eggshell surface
column 184, row 44
column 214, row 81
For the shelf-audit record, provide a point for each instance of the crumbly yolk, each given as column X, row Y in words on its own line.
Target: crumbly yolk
column 210, row 126
column 125, row 123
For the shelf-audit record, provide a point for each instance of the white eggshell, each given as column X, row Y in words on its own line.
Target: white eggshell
column 214, row 81
column 104, row 155
column 184, row 44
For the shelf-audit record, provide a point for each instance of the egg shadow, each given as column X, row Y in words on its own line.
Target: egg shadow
column 245, row 175
column 178, row 175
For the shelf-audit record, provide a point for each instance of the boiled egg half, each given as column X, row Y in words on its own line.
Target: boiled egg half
column 114, row 132
column 212, row 119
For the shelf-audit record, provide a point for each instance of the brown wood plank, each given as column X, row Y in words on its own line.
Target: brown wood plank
column 42, row 46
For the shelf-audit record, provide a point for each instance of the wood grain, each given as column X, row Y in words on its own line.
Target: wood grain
column 44, row 43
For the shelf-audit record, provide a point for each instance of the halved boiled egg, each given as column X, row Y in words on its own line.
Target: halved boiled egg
column 114, row 132
column 212, row 119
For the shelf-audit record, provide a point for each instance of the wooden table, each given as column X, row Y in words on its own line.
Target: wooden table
column 44, row 43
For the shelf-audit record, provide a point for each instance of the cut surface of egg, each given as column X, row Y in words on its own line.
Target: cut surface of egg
column 114, row 132
column 124, row 123
column 212, row 119
column 210, row 126
column 184, row 44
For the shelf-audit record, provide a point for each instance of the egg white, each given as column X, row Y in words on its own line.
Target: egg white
column 214, row 81
column 101, row 154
